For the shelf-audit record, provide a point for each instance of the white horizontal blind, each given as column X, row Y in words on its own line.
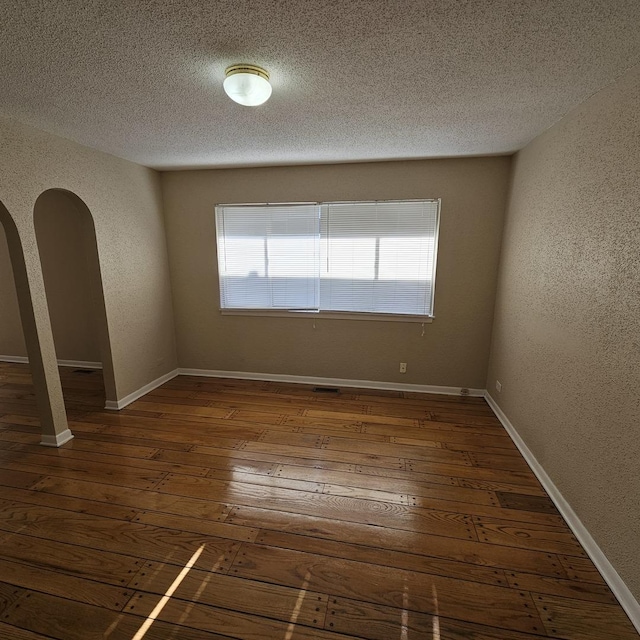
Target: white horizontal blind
column 378, row 257
column 268, row 256
column 362, row 257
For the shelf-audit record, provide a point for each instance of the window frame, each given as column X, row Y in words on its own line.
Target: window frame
column 318, row 313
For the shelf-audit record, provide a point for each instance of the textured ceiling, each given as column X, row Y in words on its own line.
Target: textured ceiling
column 352, row 79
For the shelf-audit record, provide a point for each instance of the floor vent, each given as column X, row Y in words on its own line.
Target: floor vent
column 326, row 390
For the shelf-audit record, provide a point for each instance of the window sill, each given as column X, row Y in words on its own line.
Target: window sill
column 328, row 315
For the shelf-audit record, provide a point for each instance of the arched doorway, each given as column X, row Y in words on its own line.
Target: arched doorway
column 36, row 334
column 68, row 250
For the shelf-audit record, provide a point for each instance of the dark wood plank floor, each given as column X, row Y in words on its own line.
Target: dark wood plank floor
column 362, row 514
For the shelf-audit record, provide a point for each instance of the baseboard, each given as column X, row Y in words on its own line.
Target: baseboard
column 16, row 359
column 331, row 382
column 116, row 405
column 76, row 364
column 606, row 569
column 56, row 441
column 80, row 364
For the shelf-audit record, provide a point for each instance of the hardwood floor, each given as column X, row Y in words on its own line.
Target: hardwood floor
column 362, row 514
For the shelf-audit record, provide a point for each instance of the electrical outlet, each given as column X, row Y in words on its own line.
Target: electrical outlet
column 498, row 386
column 403, row 367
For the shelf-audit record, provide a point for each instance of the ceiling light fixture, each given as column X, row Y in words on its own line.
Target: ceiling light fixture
column 247, row 84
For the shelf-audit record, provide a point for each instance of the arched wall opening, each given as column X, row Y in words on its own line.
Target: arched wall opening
column 17, row 289
column 67, row 245
column 12, row 344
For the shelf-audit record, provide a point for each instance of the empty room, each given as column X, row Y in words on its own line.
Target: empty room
column 320, row 320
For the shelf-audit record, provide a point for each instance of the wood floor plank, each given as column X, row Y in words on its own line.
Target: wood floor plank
column 148, row 424
column 306, row 424
column 265, row 480
column 524, row 502
column 575, row 589
column 224, row 463
column 581, row 620
column 235, row 625
column 182, row 523
column 454, row 549
column 376, row 477
column 64, row 585
column 349, row 457
column 207, row 586
column 138, row 440
column 473, row 473
column 493, row 485
column 65, row 619
column 498, row 461
column 64, row 557
column 66, row 466
column 121, row 459
column 9, row 594
column 453, row 438
column 434, row 454
column 432, row 430
column 104, row 448
column 106, row 509
column 186, row 506
column 158, row 407
column 140, row 540
column 19, row 479
column 366, row 418
column 553, row 539
column 335, row 507
column 581, row 569
column 161, row 436
column 511, row 608
column 385, row 557
column 308, row 516
column 277, row 458
column 378, row 622
column 30, row 424
column 15, row 633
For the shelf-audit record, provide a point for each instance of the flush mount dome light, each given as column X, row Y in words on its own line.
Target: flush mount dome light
column 247, row 84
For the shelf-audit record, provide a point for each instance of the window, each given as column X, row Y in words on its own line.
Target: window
column 338, row 257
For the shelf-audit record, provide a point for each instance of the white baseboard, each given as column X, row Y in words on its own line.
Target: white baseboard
column 332, row 382
column 606, row 569
column 80, row 364
column 18, row 359
column 116, row 405
column 76, row 364
column 56, row 441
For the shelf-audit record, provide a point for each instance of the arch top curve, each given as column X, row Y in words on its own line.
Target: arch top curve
column 72, row 197
column 6, row 220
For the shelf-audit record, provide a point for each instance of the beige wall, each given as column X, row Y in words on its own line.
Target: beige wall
column 566, row 342
column 61, row 232
column 11, row 335
column 61, row 246
column 454, row 348
column 125, row 202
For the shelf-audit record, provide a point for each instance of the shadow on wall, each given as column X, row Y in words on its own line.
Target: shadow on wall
column 12, row 342
column 69, row 259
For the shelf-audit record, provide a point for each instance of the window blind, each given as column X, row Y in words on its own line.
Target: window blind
column 354, row 257
column 378, row 257
column 268, row 256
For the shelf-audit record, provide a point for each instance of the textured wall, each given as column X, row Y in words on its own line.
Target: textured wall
column 11, row 334
column 64, row 254
column 454, row 349
column 125, row 202
column 566, row 343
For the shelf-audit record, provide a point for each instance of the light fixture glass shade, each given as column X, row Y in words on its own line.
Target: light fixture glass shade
column 247, row 84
